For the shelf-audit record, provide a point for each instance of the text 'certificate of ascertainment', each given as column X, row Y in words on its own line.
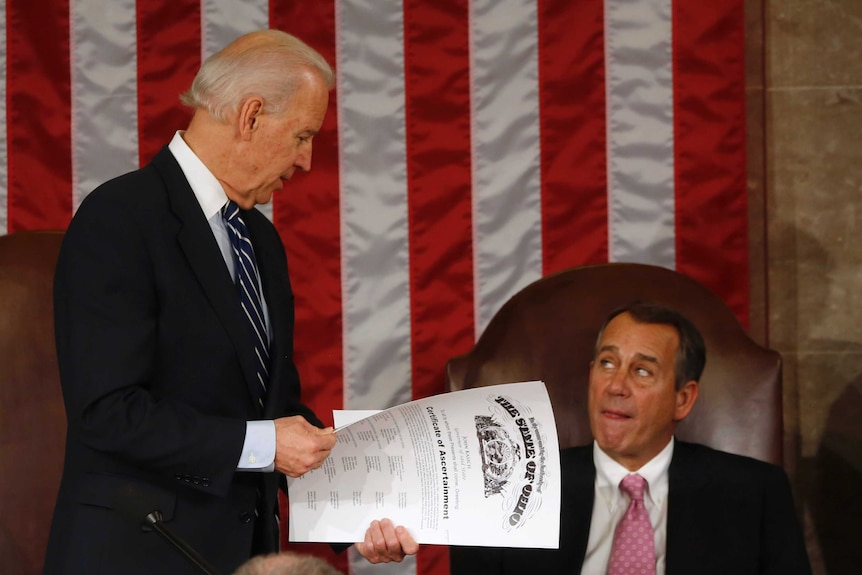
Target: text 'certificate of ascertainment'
column 479, row 467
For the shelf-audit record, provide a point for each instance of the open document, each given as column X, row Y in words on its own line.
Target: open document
column 474, row 467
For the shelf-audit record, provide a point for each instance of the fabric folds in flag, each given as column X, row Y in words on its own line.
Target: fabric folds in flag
column 470, row 147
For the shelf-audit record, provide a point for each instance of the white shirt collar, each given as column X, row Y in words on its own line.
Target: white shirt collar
column 609, row 473
column 208, row 190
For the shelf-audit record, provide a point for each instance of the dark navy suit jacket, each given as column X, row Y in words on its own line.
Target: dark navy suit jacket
column 727, row 514
column 156, row 364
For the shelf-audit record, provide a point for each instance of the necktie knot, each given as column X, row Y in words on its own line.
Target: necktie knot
column 230, row 212
column 633, row 485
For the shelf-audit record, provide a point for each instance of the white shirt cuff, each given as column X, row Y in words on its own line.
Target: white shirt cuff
column 258, row 450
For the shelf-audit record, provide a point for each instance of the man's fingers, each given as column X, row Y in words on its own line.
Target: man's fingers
column 385, row 543
column 391, row 544
column 407, row 543
column 300, row 446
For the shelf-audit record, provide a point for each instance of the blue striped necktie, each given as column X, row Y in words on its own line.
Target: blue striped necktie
column 248, row 285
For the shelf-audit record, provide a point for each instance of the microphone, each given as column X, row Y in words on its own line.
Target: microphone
column 134, row 504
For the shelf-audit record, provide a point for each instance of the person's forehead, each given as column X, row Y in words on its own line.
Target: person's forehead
column 625, row 335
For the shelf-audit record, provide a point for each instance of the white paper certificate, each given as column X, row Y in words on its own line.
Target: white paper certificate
column 475, row 467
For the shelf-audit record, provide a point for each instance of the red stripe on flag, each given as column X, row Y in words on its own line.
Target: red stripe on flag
column 709, row 117
column 437, row 82
column 169, row 55
column 572, row 103
column 39, row 117
column 437, row 85
column 306, row 214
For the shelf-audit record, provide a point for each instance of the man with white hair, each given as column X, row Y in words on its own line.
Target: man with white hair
column 174, row 324
column 286, row 563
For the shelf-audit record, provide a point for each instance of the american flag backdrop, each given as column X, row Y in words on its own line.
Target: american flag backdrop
column 471, row 147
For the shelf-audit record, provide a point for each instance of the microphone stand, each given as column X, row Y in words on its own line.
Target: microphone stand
column 153, row 522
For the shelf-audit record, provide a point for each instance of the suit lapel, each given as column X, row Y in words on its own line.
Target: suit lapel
column 687, row 482
column 206, row 262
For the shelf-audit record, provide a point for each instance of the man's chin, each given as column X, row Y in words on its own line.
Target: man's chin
column 264, row 197
column 611, row 436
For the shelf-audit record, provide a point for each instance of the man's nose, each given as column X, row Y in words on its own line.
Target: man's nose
column 618, row 384
column 303, row 160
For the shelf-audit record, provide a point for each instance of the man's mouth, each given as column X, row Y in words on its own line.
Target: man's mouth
column 615, row 414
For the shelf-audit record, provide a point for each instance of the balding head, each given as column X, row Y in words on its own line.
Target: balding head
column 267, row 63
column 286, row 563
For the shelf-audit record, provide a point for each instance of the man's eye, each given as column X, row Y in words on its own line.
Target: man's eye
column 642, row 371
column 606, row 363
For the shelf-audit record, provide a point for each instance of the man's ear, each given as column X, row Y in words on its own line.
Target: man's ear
column 248, row 118
column 685, row 398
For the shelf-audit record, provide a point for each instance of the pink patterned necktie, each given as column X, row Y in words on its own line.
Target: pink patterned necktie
column 633, row 551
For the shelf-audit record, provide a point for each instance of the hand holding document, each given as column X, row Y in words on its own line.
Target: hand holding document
column 475, row 467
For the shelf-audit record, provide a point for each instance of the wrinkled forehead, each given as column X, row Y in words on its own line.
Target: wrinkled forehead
column 627, row 337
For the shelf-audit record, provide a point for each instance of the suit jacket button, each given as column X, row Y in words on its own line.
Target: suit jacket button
column 245, row 516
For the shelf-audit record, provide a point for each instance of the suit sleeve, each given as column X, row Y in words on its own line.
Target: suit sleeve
column 107, row 331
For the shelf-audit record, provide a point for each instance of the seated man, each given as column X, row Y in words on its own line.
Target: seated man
column 639, row 501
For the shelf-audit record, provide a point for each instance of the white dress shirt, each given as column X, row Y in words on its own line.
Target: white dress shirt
column 610, row 505
column 258, row 451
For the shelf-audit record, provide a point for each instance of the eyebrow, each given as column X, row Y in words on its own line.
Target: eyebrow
column 647, row 358
column 639, row 356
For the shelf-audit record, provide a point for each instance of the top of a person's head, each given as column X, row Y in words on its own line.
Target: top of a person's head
column 286, row 563
column 691, row 353
column 269, row 63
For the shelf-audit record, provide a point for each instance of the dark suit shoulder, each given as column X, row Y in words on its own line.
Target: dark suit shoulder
column 125, row 196
column 723, row 466
column 577, row 452
column 733, row 513
column 124, row 187
column 577, row 460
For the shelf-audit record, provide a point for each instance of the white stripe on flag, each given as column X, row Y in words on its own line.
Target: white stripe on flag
column 375, row 268
column 103, row 69
column 223, row 21
column 4, row 142
column 507, row 237
column 374, row 235
column 639, row 76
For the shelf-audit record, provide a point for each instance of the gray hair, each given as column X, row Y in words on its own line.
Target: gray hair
column 269, row 63
column 286, row 563
column 690, row 355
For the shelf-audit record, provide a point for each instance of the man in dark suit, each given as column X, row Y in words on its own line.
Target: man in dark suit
column 176, row 400
column 705, row 511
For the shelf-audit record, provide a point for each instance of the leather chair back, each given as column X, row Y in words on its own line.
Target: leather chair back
column 548, row 332
column 32, row 416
